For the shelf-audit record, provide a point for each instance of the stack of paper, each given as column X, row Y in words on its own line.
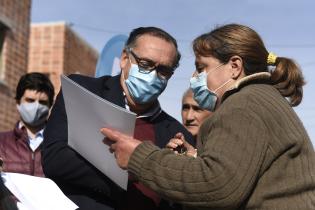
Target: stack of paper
column 36, row 193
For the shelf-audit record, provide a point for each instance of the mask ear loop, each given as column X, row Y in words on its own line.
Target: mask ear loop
column 196, row 74
column 216, row 68
column 215, row 91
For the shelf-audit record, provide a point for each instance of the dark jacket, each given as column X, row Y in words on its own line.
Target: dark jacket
column 17, row 155
column 80, row 180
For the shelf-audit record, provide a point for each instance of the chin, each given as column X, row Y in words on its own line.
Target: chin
column 193, row 132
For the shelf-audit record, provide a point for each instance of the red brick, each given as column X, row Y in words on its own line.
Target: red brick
column 14, row 56
column 56, row 49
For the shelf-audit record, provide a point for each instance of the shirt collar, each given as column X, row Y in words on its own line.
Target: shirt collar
column 152, row 113
column 40, row 133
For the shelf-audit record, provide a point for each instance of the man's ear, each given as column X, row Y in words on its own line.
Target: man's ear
column 124, row 60
column 236, row 66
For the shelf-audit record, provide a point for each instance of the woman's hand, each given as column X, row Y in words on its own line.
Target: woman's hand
column 180, row 146
column 121, row 145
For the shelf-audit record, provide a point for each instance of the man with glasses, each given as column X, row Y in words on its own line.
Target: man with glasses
column 147, row 63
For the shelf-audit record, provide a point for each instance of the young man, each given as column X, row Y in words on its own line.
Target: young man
column 148, row 61
column 192, row 114
column 20, row 147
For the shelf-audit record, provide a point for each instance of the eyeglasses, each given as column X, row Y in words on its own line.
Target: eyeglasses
column 146, row 66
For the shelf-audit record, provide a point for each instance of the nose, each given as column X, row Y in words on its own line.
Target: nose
column 190, row 114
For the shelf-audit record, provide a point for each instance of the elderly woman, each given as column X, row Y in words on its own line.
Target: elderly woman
column 254, row 152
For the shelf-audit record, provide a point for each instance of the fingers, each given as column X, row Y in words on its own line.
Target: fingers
column 192, row 153
column 173, row 143
column 179, row 136
column 112, row 145
column 120, row 144
column 110, row 134
column 113, row 135
column 107, row 141
column 187, row 145
column 180, row 146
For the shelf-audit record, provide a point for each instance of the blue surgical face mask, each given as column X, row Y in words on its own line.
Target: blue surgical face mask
column 205, row 98
column 144, row 87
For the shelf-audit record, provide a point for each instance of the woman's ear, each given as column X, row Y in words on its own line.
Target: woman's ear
column 237, row 68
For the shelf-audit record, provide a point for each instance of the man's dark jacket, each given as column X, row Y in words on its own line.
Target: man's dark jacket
column 80, row 180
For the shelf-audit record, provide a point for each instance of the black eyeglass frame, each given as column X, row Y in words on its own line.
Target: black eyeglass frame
column 146, row 66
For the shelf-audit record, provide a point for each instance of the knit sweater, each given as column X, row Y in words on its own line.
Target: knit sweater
column 254, row 154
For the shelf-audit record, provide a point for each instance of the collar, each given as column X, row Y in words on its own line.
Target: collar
column 40, row 133
column 258, row 78
column 152, row 113
column 20, row 131
column 113, row 92
column 22, row 126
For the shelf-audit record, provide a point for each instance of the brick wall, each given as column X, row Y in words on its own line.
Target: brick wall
column 56, row 49
column 79, row 56
column 15, row 15
column 46, row 50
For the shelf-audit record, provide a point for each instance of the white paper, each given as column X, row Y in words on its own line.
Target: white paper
column 36, row 193
column 87, row 113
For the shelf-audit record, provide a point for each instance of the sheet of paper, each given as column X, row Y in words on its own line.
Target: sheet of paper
column 87, row 113
column 36, row 193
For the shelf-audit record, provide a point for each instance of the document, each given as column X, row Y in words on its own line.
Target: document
column 87, row 113
column 36, row 193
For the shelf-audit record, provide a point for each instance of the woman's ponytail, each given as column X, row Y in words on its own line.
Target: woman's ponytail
column 287, row 77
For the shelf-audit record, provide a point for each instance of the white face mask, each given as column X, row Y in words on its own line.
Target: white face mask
column 33, row 114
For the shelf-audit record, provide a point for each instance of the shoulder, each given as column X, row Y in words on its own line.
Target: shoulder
column 255, row 106
column 6, row 138
column 6, row 134
column 248, row 104
column 255, row 97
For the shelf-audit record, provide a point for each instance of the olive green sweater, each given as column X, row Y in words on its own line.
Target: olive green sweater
column 254, row 154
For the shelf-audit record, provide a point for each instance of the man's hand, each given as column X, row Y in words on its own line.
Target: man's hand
column 180, row 146
column 121, row 144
